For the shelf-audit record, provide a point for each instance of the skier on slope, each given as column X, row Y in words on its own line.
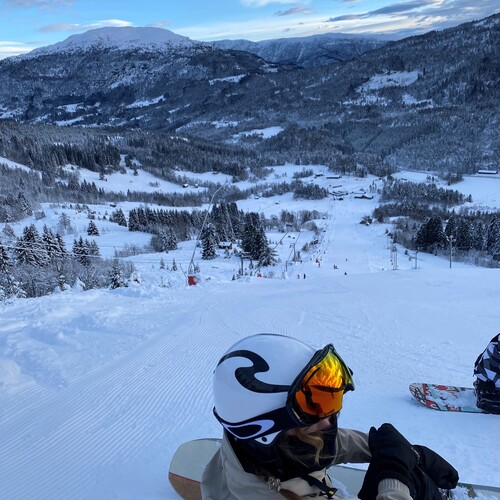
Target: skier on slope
column 487, row 373
column 278, row 400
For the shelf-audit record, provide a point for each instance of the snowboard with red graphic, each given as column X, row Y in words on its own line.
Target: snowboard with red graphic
column 446, row 397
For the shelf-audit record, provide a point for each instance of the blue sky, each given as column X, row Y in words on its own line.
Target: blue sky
column 27, row 24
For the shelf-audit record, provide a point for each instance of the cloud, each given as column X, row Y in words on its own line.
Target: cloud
column 52, row 28
column 444, row 12
column 405, row 7
column 21, row 4
column 397, row 8
column 160, row 24
column 436, row 15
column 294, row 10
column 414, row 17
column 8, row 49
column 263, row 3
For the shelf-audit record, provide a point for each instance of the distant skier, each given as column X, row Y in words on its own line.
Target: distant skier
column 279, row 400
column 487, row 373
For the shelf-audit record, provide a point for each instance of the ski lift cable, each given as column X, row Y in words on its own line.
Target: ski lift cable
column 191, row 263
column 275, row 246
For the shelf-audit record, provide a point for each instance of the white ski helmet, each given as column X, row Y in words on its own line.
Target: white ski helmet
column 253, row 379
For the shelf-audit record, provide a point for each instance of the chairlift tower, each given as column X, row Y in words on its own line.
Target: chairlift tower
column 414, row 257
column 394, row 255
column 243, row 256
column 451, row 239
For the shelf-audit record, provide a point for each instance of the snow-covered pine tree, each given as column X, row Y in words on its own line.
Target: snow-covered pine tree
column 30, row 248
column 430, row 234
column 209, row 243
column 81, row 251
column 119, row 217
column 250, row 231
column 64, row 224
column 478, row 235
column 61, row 251
column 267, row 255
column 116, row 276
column 4, row 260
column 451, row 226
column 8, row 232
column 170, row 239
column 9, row 286
column 93, row 248
column 463, row 238
column 220, row 220
column 92, row 229
column 25, row 205
column 50, row 243
column 493, row 239
column 133, row 221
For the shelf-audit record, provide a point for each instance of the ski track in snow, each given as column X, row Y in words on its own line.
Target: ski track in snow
column 116, row 380
column 100, row 411
column 159, row 394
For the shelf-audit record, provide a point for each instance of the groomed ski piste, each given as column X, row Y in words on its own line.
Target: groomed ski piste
column 99, row 387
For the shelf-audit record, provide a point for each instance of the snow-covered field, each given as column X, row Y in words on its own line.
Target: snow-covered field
column 98, row 388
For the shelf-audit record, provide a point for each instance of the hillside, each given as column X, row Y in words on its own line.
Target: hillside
column 309, row 51
column 397, row 103
column 98, row 388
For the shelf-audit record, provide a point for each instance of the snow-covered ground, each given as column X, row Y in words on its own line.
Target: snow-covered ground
column 98, row 388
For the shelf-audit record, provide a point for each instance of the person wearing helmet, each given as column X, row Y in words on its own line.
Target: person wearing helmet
column 278, row 400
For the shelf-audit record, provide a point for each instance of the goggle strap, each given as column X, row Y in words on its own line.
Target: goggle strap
column 313, row 481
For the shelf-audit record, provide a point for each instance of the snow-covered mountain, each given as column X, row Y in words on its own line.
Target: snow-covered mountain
column 101, row 76
column 123, row 38
column 399, row 99
column 309, row 51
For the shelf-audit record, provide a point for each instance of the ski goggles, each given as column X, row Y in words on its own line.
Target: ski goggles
column 315, row 394
column 318, row 390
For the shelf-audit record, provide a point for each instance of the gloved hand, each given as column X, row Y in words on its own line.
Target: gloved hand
column 437, row 468
column 392, row 457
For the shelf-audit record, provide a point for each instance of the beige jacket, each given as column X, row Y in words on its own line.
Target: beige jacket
column 225, row 479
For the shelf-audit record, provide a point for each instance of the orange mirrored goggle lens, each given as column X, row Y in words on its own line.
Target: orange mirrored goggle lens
column 321, row 389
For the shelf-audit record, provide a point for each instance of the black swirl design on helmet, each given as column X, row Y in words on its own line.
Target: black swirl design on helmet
column 246, row 375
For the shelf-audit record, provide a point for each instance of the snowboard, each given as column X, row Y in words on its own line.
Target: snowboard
column 191, row 458
column 446, row 397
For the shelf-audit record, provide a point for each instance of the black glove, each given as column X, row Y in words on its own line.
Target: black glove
column 437, row 468
column 392, row 457
column 395, row 456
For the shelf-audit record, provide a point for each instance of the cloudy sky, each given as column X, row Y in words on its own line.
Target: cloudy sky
column 27, row 24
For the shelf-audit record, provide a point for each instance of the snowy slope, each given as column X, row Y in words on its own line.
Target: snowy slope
column 98, row 388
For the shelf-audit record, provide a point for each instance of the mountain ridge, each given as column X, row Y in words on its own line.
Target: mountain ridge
column 308, row 51
column 122, row 38
column 396, row 102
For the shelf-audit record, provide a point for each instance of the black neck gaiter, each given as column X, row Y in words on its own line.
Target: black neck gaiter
column 298, row 460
